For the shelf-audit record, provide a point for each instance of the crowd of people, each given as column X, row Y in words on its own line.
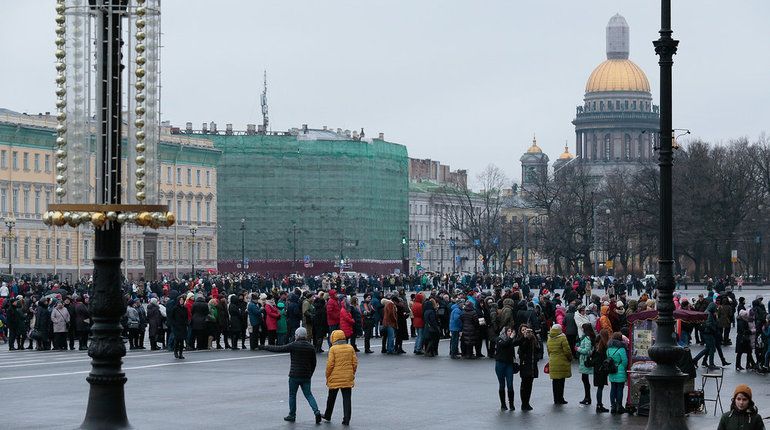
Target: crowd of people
column 528, row 325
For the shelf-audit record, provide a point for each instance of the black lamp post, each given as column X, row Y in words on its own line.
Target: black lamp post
column 243, row 244
column 441, row 246
column 193, row 230
column 666, row 381
column 10, row 222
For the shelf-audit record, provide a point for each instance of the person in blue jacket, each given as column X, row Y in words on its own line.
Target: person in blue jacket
column 455, row 327
column 616, row 350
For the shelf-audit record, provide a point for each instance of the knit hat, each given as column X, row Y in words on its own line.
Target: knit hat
column 300, row 333
column 742, row 388
column 263, row 296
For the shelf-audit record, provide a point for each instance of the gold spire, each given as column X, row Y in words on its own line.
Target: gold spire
column 566, row 155
column 534, row 149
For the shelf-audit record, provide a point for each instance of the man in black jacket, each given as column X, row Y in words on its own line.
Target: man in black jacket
column 301, row 370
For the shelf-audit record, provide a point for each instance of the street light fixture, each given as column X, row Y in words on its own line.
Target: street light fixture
column 441, row 247
column 607, row 260
column 10, row 222
column 243, row 244
column 193, row 230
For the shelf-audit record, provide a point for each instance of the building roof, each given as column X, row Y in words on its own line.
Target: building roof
column 617, row 75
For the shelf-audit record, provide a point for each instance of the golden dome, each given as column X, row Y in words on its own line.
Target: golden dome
column 565, row 155
column 534, row 149
column 617, row 75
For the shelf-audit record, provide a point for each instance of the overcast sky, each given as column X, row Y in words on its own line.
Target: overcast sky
column 464, row 82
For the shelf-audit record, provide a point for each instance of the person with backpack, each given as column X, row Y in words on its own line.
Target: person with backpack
column 616, row 352
column 585, row 350
column 600, row 375
column 301, row 369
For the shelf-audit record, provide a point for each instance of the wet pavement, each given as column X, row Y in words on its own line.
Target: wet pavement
column 244, row 389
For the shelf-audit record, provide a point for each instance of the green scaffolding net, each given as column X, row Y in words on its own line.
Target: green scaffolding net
column 301, row 196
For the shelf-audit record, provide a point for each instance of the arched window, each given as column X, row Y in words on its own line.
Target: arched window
column 617, row 104
column 633, row 105
column 626, row 105
column 607, row 150
column 601, row 105
column 640, row 148
column 594, row 149
column 627, row 147
column 593, row 107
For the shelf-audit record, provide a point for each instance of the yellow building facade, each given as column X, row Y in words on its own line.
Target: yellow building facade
column 187, row 184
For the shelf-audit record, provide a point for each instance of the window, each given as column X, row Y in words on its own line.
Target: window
column 4, row 200
column 178, row 250
column 159, row 251
column 67, row 250
column 4, row 159
column 189, row 176
column 5, row 246
column 37, row 248
column 128, row 250
column 26, row 201
column 47, row 163
column 633, row 105
column 25, row 161
column 170, row 247
column 16, row 247
column 86, row 249
column 617, row 104
column 601, row 105
column 139, row 249
column 208, row 211
column 198, row 211
column 168, row 204
column 179, row 175
column 208, row 250
column 179, row 209
column 58, row 247
column 15, row 160
column 47, row 197
column 208, row 178
column 197, row 177
column 626, row 105
column 48, row 249
column 594, row 148
column 26, row 248
column 640, row 148
column 37, row 162
column 168, row 175
column 189, row 211
column 15, row 205
column 37, row 202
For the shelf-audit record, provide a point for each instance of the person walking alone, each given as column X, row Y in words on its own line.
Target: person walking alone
column 303, row 363
column 559, row 359
column 505, row 358
column 341, row 366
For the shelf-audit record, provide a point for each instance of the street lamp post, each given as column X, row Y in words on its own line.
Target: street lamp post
column 607, row 260
column 193, row 230
column 441, row 247
column 10, row 222
column 666, row 380
column 453, row 242
column 243, row 244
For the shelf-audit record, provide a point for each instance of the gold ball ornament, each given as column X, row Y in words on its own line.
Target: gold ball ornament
column 144, row 219
column 122, row 218
column 170, row 219
column 57, row 219
column 111, row 216
column 47, row 218
column 98, row 219
column 61, row 192
column 140, row 195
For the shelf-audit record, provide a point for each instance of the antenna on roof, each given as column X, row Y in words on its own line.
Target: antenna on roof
column 265, row 120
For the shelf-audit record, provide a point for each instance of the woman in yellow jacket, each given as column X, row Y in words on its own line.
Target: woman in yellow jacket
column 341, row 368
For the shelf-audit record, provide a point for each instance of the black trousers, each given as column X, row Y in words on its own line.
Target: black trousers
column 368, row 336
column 253, row 338
column 558, row 389
column 83, row 339
column 525, row 391
column 586, row 386
column 346, row 406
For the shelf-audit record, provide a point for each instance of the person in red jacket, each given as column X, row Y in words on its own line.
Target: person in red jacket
column 272, row 315
column 418, row 322
column 332, row 313
column 346, row 322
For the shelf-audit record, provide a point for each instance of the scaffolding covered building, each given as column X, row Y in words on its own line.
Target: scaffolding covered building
column 307, row 200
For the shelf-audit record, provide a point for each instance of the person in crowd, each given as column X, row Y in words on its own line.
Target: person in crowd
column 346, row 320
column 369, row 321
column 743, row 413
column 389, row 325
column 341, row 366
column 332, row 313
column 402, row 315
column 200, row 312
column 256, row 324
column 559, row 359
column 355, row 313
column 616, row 351
column 301, row 369
column 60, row 318
column 505, row 358
column 600, row 376
column 529, row 347
column 432, row 329
column 132, row 322
column 154, row 320
column 470, row 329
column 272, row 315
column 178, row 324
column 234, row 318
column 417, row 322
column 281, row 330
column 320, row 326
column 455, row 328
column 745, row 338
column 222, row 323
column 585, row 350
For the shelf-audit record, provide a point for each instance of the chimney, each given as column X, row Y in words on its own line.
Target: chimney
column 213, row 127
column 382, row 136
column 228, row 129
column 205, row 128
column 251, row 129
column 188, row 127
column 304, row 128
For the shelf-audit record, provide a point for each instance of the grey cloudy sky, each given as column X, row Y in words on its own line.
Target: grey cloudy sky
column 464, row 82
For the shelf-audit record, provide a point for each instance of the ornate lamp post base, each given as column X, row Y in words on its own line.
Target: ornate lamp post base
column 667, row 395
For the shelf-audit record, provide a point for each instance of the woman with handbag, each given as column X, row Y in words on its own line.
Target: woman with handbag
column 559, row 362
column 600, row 377
column 505, row 366
column 616, row 351
column 529, row 353
column 132, row 322
column 60, row 318
column 585, row 350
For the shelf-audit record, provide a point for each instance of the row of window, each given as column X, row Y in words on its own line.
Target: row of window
column 20, row 202
column 170, row 176
column 25, row 161
column 608, row 149
column 618, row 105
column 188, row 215
column 49, row 248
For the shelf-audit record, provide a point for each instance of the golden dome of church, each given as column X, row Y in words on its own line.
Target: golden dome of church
column 617, row 74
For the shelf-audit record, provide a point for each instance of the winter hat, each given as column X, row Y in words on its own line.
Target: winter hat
column 742, row 388
column 263, row 296
column 300, row 333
